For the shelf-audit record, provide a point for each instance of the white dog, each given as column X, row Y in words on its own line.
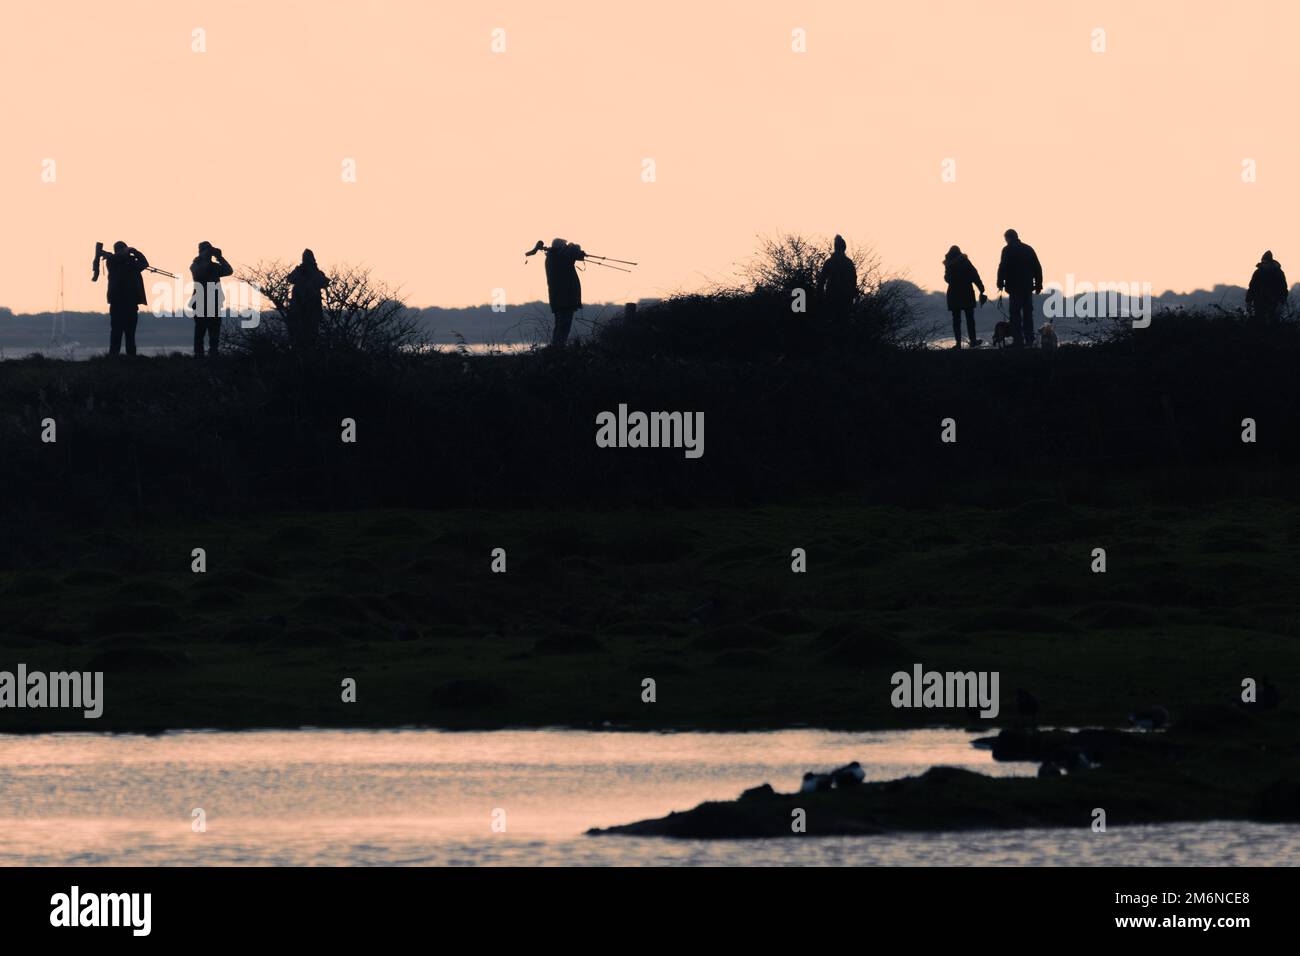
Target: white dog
column 1047, row 335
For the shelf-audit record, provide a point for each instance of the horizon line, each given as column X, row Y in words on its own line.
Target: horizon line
column 14, row 313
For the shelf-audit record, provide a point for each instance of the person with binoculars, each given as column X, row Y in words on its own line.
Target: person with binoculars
column 208, row 302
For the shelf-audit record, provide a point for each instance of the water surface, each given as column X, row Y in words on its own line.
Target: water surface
column 419, row 797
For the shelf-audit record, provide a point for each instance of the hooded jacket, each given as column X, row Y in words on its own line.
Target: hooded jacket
column 1268, row 284
column 962, row 278
column 838, row 281
column 307, row 282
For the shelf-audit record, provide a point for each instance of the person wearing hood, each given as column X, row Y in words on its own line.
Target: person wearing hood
column 963, row 279
column 837, row 284
column 1268, row 290
column 307, row 282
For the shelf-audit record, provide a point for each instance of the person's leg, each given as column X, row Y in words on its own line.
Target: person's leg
column 214, row 334
column 1030, row 335
column 970, row 326
column 130, row 322
column 114, row 330
column 1022, row 319
column 563, row 320
column 1013, row 315
column 198, row 335
column 956, row 328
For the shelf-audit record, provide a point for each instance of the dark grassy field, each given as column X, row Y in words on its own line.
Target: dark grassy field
column 371, row 560
column 171, row 438
column 701, row 600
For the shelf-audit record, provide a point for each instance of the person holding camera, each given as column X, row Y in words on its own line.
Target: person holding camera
column 208, row 302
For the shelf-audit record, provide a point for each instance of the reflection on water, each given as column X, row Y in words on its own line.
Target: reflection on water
column 427, row 797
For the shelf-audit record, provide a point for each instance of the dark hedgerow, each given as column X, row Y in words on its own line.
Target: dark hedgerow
column 757, row 315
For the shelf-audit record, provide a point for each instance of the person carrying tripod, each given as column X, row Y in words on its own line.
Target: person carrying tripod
column 126, row 266
column 563, row 287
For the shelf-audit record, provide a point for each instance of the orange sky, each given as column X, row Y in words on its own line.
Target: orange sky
column 1124, row 165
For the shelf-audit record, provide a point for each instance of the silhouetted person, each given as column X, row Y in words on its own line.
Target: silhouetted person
column 963, row 279
column 126, row 266
column 1021, row 275
column 1267, row 291
column 208, row 301
column 305, row 312
column 563, row 286
column 837, row 285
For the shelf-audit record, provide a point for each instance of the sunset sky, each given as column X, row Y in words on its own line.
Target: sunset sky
column 1125, row 165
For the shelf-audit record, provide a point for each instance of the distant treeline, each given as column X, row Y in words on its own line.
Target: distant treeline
column 22, row 333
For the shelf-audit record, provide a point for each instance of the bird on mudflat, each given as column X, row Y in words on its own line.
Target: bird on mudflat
column 815, row 783
column 850, row 775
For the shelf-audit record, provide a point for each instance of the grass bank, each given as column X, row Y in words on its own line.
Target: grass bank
column 701, row 600
column 169, row 437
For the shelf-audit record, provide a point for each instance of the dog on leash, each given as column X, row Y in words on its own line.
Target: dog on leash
column 1001, row 332
column 1047, row 337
